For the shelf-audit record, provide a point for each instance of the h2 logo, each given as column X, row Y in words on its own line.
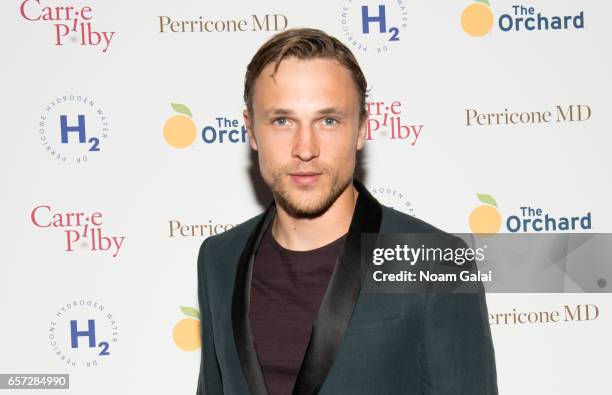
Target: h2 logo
column 90, row 333
column 380, row 19
column 80, row 129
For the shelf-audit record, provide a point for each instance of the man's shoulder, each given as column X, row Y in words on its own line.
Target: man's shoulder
column 231, row 239
column 394, row 221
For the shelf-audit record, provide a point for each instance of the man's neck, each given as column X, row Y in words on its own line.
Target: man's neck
column 303, row 234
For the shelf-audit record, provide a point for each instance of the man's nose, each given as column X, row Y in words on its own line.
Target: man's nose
column 305, row 143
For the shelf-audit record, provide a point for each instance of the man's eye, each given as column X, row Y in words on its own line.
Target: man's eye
column 330, row 121
column 280, row 121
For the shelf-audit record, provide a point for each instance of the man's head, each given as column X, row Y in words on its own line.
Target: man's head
column 306, row 116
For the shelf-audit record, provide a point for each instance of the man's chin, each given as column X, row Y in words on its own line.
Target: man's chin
column 310, row 202
column 305, row 207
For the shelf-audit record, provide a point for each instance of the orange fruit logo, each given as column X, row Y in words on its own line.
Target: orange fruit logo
column 186, row 333
column 485, row 219
column 477, row 18
column 180, row 130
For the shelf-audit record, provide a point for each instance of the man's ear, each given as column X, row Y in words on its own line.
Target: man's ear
column 361, row 136
column 248, row 123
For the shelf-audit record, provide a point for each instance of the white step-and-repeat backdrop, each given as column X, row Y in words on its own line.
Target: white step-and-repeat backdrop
column 124, row 148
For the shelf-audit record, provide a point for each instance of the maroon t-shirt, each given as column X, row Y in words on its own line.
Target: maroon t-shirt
column 287, row 288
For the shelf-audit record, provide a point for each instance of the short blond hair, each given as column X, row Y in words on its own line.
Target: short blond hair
column 303, row 44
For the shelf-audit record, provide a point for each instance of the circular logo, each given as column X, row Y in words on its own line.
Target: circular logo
column 373, row 27
column 83, row 333
column 485, row 219
column 186, row 332
column 393, row 198
column 179, row 130
column 73, row 128
column 477, row 18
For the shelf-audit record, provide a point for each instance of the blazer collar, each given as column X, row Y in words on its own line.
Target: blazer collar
column 336, row 307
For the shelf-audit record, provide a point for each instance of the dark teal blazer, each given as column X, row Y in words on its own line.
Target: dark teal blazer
column 425, row 343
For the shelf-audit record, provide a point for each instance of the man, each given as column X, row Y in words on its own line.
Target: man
column 282, row 305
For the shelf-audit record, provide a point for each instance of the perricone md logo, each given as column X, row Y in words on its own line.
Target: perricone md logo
column 73, row 129
column 71, row 23
column 177, row 228
column 82, row 230
column 558, row 114
column 477, row 19
column 83, row 333
column 254, row 23
column 386, row 121
column 486, row 219
column 567, row 313
column 373, row 26
column 180, row 129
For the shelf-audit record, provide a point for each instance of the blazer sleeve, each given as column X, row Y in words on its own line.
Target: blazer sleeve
column 456, row 353
column 209, row 379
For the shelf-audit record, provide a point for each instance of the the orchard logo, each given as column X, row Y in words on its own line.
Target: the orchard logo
column 393, row 198
column 477, row 19
column 186, row 332
column 387, row 121
column 180, row 130
column 83, row 333
column 373, row 26
column 486, row 219
column 534, row 219
column 73, row 128
column 82, row 230
column 70, row 23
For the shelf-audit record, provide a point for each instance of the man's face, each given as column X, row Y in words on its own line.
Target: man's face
column 306, row 129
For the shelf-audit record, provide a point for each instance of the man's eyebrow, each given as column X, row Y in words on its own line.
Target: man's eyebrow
column 278, row 111
column 331, row 110
column 286, row 112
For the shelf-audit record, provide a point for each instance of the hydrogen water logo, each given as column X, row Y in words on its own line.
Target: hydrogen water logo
column 373, row 27
column 73, row 128
column 83, row 334
column 393, row 198
column 90, row 334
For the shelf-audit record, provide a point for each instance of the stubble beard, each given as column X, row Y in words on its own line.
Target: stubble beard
column 294, row 201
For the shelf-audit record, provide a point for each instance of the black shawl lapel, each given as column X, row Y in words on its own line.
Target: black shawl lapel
column 240, row 308
column 334, row 313
column 340, row 298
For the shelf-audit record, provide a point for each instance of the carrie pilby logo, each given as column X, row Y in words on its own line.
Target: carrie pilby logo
column 82, row 230
column 70, row 23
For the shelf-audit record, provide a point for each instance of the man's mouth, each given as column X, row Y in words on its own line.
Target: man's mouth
column 305, row 178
